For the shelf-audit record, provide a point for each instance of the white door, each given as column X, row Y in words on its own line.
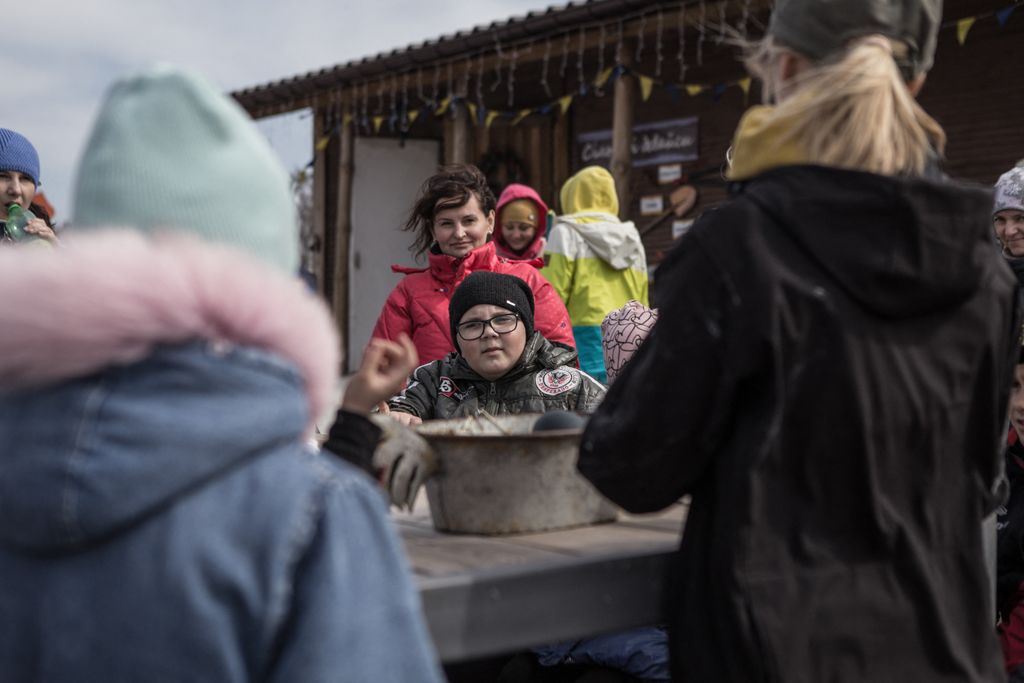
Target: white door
column 386, row 183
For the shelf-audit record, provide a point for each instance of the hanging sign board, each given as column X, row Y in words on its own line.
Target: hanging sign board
column 652, row 205
column 680, row 228
column 669, row 173
column 662, row 142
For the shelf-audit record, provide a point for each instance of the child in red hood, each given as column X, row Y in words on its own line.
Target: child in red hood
column 520, row 224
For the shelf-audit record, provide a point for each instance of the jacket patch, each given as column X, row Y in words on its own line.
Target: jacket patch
column 558, row 381
column 447, row 387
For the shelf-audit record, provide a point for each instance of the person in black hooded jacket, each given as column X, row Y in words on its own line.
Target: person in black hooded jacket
column 828, row 379
column 1010, row 546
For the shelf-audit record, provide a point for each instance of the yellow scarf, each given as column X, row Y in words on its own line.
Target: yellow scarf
column 762, row 143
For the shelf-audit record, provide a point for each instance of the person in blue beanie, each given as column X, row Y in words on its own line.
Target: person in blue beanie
column 19, row 181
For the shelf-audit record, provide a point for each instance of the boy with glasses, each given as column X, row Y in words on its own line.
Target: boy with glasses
column 501, row 364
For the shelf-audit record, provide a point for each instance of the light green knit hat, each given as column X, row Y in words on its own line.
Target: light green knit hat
column 170, row 152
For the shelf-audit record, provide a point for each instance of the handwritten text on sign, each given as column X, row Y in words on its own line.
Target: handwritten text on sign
column 661, row 142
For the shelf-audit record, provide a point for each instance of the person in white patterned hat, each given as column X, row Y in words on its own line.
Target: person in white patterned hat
column 1008, row 212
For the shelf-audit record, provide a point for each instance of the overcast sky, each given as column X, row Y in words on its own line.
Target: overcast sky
column 62, row 58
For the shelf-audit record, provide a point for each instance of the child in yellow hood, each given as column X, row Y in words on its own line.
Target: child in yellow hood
column 595, row 261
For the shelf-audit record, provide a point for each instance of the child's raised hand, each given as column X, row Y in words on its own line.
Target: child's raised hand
column 385, row 367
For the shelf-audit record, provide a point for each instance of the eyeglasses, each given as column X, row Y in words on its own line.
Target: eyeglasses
column 474, row 329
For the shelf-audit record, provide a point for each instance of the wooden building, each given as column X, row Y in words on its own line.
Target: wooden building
column 652, row 90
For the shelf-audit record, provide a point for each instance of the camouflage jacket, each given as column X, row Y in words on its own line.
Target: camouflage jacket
column 544, row 379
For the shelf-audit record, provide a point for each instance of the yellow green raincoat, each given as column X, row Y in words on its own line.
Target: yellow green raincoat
column 595, row 262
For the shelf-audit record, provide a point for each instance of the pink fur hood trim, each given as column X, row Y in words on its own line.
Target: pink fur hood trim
column 108, row 298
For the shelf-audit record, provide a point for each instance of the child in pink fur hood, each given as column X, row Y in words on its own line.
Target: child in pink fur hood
column 158, row 376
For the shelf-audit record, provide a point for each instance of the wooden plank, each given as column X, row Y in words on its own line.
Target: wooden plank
column 448, row 555
column 471, row 616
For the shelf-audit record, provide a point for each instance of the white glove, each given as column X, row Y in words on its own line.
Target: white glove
column 403, row 461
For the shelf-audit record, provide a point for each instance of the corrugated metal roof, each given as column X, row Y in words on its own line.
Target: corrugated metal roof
column 557, row 19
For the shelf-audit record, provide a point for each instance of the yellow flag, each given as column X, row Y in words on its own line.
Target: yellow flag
column 603, row 77
column 744, row 84
column 963, row 27
column 322, row 143
column 564, row 103
column 523, row 113
column 377, row 121
column 694, row 90
column 471, row 106
column 489, row 119
column 646, row 85
column 443, row 107
column 412, row 116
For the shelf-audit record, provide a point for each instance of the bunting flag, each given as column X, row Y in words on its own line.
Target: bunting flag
column 322, row 143
column 963, row 27
column 485, row 117
column 646, row 85
column 523, row 113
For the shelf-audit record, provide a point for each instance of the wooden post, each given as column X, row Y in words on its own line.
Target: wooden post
column 343, row 233
column 622, row 135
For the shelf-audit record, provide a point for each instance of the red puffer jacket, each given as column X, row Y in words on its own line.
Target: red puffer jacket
column 418, row 306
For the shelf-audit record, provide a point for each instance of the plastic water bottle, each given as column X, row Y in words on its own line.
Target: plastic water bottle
column 17, row 219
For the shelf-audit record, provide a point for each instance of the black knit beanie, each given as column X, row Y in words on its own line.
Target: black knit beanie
column 485, row 287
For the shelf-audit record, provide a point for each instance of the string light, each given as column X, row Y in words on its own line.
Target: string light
column 394, row 102
column 579, row 59
column 448, row 90
column 544, row 68
column 721, row 23
column 618, row 45
column 437, row 85
column 512, row 77
column 658, row 47
column 497, row 64
column 702, row 33
column 640, row 39
column 364, row 120
column 565, row 57
column 403, row 113
column 681, row 29
column 480, row 81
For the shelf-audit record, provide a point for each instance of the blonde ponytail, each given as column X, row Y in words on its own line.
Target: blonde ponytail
column 856, row 112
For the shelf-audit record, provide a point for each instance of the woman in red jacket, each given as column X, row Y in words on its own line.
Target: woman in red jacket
column 453, row 221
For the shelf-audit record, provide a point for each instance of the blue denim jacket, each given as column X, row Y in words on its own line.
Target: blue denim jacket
column 163, row 522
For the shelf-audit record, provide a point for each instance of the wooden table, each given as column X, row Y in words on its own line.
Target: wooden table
column 487, row 595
